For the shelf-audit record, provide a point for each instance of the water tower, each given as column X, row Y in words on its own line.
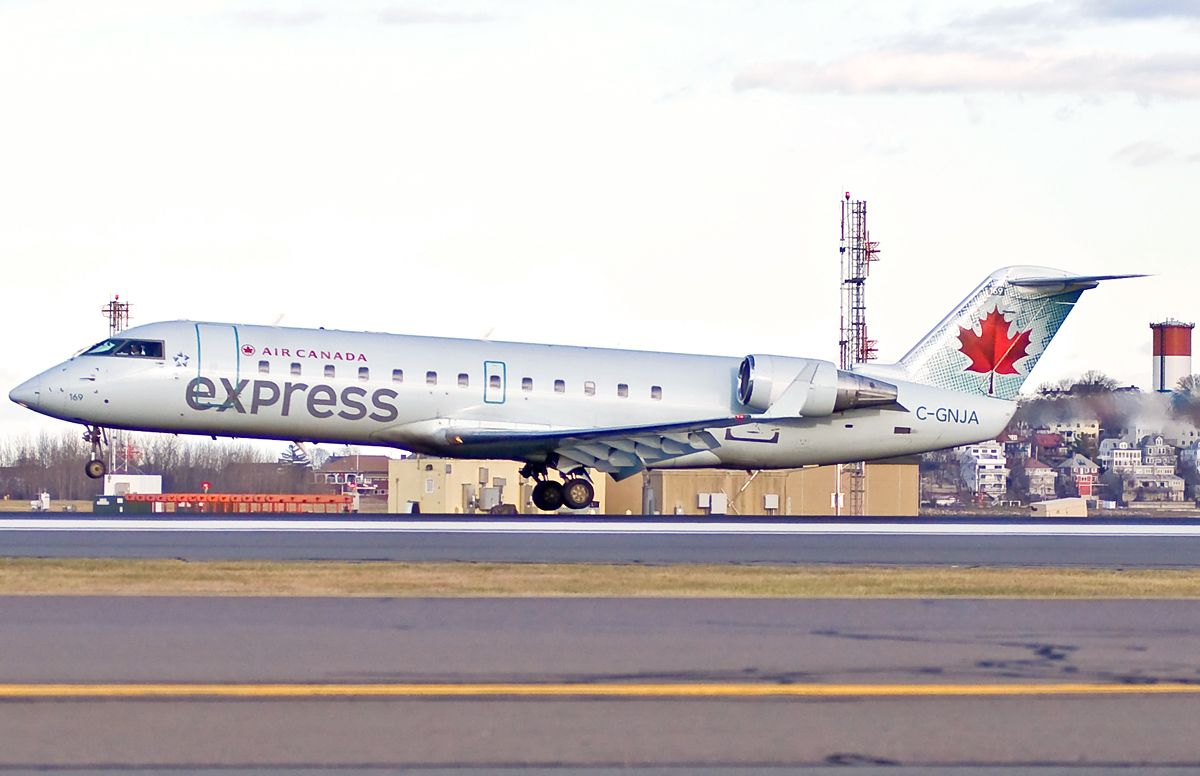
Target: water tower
column 1172, row 353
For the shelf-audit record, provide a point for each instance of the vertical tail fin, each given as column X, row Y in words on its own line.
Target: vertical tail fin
column 992, row 340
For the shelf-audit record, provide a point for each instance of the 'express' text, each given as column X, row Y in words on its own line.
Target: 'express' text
column 319, row 401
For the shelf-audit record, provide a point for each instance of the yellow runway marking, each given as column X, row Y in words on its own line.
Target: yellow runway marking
column 717, row 690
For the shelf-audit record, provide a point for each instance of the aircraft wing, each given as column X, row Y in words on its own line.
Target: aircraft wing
column 620, row 451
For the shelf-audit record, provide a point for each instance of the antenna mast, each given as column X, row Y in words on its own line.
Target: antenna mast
column 121, row 450
column 857, row 251
column 117, row 313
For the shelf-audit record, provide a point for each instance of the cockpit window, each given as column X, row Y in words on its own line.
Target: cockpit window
column 127, row 348
column 141, row 349
column 105, row 348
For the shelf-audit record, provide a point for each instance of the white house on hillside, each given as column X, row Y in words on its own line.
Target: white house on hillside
column 984, row 469
column 1117, row 455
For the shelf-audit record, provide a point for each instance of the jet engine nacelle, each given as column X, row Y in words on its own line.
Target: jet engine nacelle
column 806, row 387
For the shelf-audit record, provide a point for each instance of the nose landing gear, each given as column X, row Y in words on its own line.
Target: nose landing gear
column 95, row 468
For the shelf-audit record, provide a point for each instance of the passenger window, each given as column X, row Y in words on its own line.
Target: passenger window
column 330, row 372
column 560, row 386
column 463, row 380
column 296, row 367
column 364, row 373
column 431, row 378
column 622, row 390
column 656, row 392
column 494, row 381
column 589, row 388
column 264, row 367
column 526, row 383
column 397, row 375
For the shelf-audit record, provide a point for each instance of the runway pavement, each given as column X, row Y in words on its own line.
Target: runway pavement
column 1169, row 543
column 648, row 682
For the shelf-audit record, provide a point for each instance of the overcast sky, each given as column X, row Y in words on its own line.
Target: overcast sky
column 658, row 175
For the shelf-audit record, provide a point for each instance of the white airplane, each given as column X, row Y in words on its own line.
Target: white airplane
column 567, row 409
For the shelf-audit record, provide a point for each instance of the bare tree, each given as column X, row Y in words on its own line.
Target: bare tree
column 54, row 464
column 1094, row 381
column 1188, row 385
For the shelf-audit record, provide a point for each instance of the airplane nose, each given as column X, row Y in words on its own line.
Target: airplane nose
column 28, row 394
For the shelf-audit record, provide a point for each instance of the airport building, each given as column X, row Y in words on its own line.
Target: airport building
column 446, row 486
column 463, row 487
column 891, row 488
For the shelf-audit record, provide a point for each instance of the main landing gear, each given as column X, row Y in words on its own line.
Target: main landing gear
column 548, row 495
column 95, row 468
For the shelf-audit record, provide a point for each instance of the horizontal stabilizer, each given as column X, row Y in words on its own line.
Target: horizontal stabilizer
column 1069, row 280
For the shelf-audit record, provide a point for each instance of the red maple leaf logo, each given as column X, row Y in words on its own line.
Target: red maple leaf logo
column 992, row 351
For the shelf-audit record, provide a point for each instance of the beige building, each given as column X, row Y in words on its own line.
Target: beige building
column 1073, row 430
column 446, row 486
column 1059, row 507
column 891, row 489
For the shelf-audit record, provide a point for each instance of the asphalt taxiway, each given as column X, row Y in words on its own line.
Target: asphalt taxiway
column 705, row 682
column 1163, row 543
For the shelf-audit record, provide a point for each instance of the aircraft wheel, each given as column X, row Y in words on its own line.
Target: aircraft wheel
column 95, row 469
column 548, row 496
column 578, row 493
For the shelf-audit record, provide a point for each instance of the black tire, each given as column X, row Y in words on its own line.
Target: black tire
column 95, row 469
column 548, row 496
column 578, row 493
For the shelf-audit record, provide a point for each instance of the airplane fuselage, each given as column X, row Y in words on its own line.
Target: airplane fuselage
column 413, row 392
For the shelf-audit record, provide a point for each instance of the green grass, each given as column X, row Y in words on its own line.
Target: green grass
column 32, row 576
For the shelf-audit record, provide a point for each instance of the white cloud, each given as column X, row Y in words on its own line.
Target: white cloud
column 273, row 18
column 1148, row 152
column 1141, row 9
column 1030, row 16
column 988, row 71
column 408, row 15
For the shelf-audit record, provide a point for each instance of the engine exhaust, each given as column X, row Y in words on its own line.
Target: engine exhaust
column 856, row 391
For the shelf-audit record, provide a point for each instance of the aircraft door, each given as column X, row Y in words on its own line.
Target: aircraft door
column 494, row 382
column 218, row 351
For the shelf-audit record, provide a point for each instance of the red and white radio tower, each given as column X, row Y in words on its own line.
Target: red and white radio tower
column 121, row 451
column 857, row 251
column 117, row 313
